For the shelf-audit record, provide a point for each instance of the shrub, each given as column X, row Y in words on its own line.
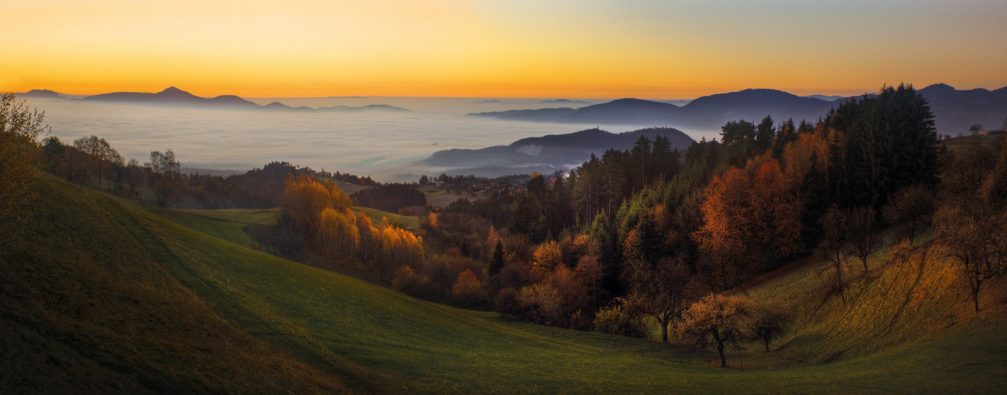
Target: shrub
column 624, row 317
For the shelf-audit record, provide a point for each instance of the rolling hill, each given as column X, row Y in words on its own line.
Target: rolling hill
column 101, row 294
column 547, row 154
column 707, row 112
column 43, row 94
column 954, row 110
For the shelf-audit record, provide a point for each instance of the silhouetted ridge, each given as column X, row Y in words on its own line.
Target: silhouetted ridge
column 547, row 154
column 176, row 96
column 955, row 110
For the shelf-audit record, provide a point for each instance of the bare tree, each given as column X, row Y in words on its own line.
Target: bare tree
column 100, row 156
column 972, row 222
column 913, row 205
column 769, row 324
column 833, row 247
column 134, row 178
column 861, row 235
column 665, row 289
column 977, row 239
column 167, row 172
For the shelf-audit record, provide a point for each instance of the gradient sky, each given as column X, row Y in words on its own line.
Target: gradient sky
column 507, row 48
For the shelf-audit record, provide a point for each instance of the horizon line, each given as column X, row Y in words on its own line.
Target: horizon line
column 842, row 93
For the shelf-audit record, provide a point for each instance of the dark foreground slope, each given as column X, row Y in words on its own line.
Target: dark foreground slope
column 92, row 302
column 100, row 294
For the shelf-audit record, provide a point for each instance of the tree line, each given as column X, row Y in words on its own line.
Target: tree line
column 390, row 197
column 653, row 232
column 93, row 161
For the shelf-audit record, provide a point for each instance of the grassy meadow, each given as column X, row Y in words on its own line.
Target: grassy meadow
column 154, row 300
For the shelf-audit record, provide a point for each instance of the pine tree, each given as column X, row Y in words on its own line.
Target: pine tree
column 765, row 133
column 497, row 262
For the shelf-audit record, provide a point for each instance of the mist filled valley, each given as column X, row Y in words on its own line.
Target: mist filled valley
column 500, row 197
column 387, row 145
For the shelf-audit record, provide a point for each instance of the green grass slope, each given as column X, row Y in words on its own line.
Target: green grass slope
column 229, row 224
column 908, row 301
column 405, row 221
column 130, row 300
column 439, row 197
column 90, row 306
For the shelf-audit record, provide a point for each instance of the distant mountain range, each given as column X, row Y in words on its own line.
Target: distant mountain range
column 368, row 107
column 826, row 97
column 171, row 95
column 953, row 109
column 706, row 112
column 956, row 110
column 564, row 101
column 175, row 96
column 546, row 154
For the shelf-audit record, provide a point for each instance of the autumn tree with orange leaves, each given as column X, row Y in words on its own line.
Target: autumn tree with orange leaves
column 719, row 320
column 751, row 220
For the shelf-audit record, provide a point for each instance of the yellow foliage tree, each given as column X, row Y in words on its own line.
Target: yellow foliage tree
column 337, row 233
column 547, row 256
column 319, row 209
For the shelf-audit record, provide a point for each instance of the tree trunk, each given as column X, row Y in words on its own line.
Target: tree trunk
column 720, row 347
column 664, row 331
column 975, row 297
column 766, row 339
column 839, row 279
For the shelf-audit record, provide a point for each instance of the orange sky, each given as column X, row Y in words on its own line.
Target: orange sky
column 518, row 48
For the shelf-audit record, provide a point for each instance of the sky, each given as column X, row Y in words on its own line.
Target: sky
column 507, row 48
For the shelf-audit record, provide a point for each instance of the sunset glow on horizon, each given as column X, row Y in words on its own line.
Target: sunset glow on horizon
column 574, row 49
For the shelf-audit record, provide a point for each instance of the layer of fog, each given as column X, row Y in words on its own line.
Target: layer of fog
column 385, row 145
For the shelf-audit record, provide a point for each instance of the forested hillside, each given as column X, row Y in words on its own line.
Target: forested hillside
column 650, row 231
column 100, row 290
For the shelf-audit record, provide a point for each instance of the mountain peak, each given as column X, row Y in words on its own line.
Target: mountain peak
column 172, row 91
column 43, row 93
column 630, row 100
column 766, row 92
column 940, row 86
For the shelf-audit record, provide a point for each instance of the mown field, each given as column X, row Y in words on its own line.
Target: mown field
column 102, row 294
